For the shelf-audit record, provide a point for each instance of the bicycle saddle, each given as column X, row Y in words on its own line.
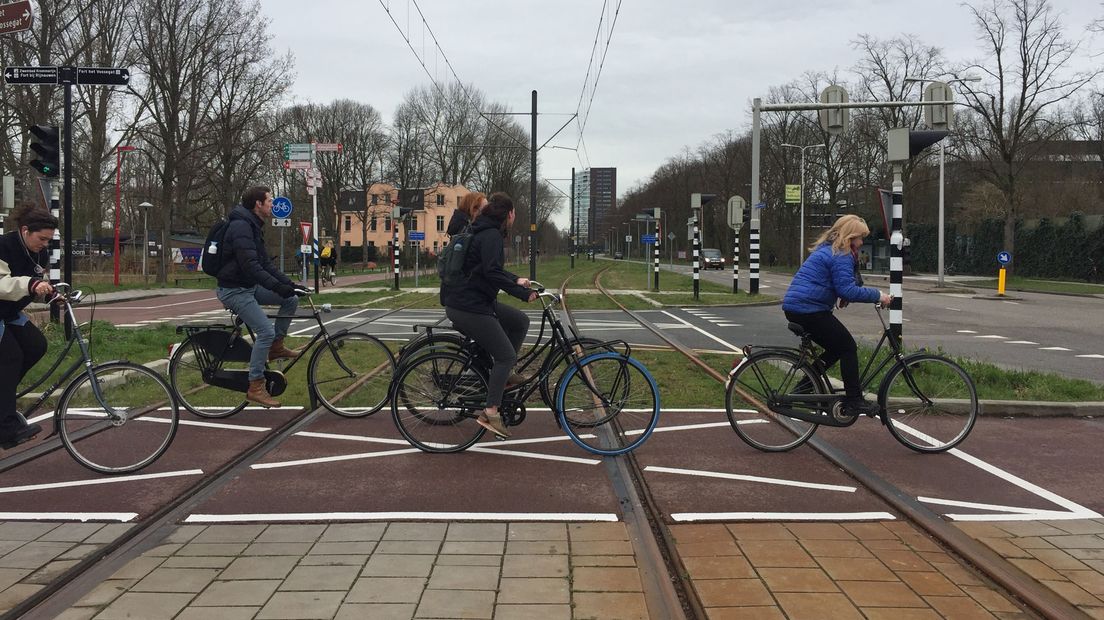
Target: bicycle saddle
column 797, row 330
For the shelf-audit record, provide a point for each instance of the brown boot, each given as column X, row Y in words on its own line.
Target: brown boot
column 259, row 394
column 279, row 351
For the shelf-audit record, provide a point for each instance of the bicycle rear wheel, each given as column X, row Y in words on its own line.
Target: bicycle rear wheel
column 351, row 375
column 930, row 403
column 186, row 368
column 758, row 382
column 136, row 427
column 608, row 403
column 556, row 365
column 435, row 401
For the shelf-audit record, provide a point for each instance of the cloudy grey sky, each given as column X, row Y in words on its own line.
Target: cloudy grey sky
column 677, row 72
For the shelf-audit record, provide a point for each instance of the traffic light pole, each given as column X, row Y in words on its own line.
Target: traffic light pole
column 533, row 195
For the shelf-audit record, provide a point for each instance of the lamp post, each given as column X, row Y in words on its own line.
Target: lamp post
column 801, row 252
column 909, row 80
column 145, row 206
column 119, row 150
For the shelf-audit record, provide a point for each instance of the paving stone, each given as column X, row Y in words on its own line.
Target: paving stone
column 1078, row 526
column 534, row 590
column 894, row 544
column 610, row 560
column 1090, row 580
column 958, row 574
column 456, row 604
column 718, row 567
column 732, row 593
column 473, row 548
column 534, row 566
column 990, row 599
column 71, row 532
column 291, row 533
column 699, row 532
column 1037, row 569
column 108, row 533
column 233, row 593
column 1032, row 542
column 461, row 559
column 34, row 554
column 581, row 532
column 760, row 531
column 197, row 561
column 1072, row 593
column 380, row 611
column 817, row 606
column 778, row 553
column 268, row 567
column 398, row 566
column 606, row 579
column 856, row 569
column 344, row 548
column 610, row 606
column 537, row 531
column 24, row 531
column 819, row 531
column 164, row 550
column 386, row 590
column 278, row 548
column 901, row 560
column 920, row 542
column 301, row 606
column 138, row 568
column 797, row 580
column 1087, row 554
column 958, row 607
column 244, row 533
column 222, row 613
column 1005, row 547
column 77, row 613
column 881, row 594
column 532, row 612
column 10, row 576
column 1058, row 559
column 334, row 560
column 471, row 532
column 217, row 549
column 177, row 580
column 401, row 547
column 719, row 548
column 982, row 530
column 78, row 552
column 552, row 547
column 836, row 549
column 7, row 546
column 16, row 594
column 929, row 583
column 744, row 613
column 415, row 531
column 1029, row 528
column 319, row 578
column 145, row 605
column 184, row 533
column 353, row 532
column 867, row 532
column 464, row 578
column 50, row 572
column 897, row 613
column 105, row 592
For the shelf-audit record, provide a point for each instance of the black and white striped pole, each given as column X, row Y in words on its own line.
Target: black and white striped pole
column 896, row 256
column 55, row 246
column 656, row 250
column 395, row 217
column 736, row 262
column 753, row 254
column 697, row 261
column 736, row 206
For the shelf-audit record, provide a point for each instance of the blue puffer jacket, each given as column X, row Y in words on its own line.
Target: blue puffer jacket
column 822, row 279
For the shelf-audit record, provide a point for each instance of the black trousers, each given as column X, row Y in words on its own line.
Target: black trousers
column 827, row 331
column 20, row 349
column 501, row 335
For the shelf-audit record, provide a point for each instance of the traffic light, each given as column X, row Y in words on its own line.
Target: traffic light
column 904, row 143
column 47, row 146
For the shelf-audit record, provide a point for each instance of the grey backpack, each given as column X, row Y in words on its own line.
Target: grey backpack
column 450, row 262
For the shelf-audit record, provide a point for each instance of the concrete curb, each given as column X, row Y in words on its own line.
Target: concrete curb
column 1041, row 409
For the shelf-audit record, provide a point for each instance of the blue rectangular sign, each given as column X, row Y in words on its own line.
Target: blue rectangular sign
column 648, row 238
column 417, row 235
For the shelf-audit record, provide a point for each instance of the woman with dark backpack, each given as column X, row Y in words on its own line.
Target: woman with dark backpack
column 474, row 310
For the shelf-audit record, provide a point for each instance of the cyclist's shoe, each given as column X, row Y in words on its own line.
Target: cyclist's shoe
column 13, row 439
column 280, row 352
column 494, row 424
column 259, row 394
column 860, row 406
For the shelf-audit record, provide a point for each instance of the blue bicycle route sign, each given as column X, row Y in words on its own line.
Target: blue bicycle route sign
column 281, row 207
column 1004, row 257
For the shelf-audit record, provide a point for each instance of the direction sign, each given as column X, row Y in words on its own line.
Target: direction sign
column 416, row 235
column 31, row 75
column 647, row 239
column 281, row 222
column 281, row 208
column 328, row 147
column 1004, row 257
column 116, row 76
column 297, row 165
column 15, row 17
column 298, row 155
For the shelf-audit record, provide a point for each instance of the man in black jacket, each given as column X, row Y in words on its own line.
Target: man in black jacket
column 248, row 279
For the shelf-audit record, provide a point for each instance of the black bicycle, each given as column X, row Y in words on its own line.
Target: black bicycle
column 604, row 400
column 349, row 372
column 777, row 396
column 113, row 417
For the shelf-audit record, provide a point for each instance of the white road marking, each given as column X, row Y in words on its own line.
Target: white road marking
column 111, row 480
column 1095, row 356
column 226, row 427
column 783, row 516
column 1054, row 349
column 696, row 328
column 997, row 507
column 333, row 459
column 83, row 517
column 992, row 336
column 400, row 442
column 690, row 427
column 1014, row 303
column 966, row 331
column 403, row 516
column 534, row 455
column 1019, row 342
column 952, row 309
column 747, row 478
column 179, row 303
column 314, row 325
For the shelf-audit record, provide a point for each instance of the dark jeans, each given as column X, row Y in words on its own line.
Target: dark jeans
column 20, row 349
column 246, row 303
column 500, row 335
column 827, row 331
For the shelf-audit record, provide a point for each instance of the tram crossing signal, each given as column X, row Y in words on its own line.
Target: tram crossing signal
column 905, row 143
column 47, row 146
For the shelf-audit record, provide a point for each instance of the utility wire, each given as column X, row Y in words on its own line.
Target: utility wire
column 583, row 116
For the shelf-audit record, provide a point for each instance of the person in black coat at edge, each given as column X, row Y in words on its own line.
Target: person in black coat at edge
column 469, row 207
column 23, row 263
column 474, row 310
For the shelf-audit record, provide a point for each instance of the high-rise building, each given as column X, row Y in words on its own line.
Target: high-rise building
column 595, row 199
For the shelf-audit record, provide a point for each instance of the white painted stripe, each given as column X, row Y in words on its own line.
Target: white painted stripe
column 700, row 330
column 91, row 482
column 105, row 308
column 955, row 310
column 997, row 507
column 782, row 516
column 689, row 427
column 1035, row 516
column 991, row 336
column 401, row 442
column 535, row 455
column 314, row 325
column 1019, row 342
column 896, row 264
column 965, row 331
column 225, row 427
column 747, row 478
column 895, row 316
column 129, row 325
column 403, row 516
column 1054, row 349
column 83, row 517
column 1014, row 303
column 332, row 459
column 895, row 290
column 1095, row 356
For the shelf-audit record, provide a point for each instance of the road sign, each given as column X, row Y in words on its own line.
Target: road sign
column 647, row 239
column 305, row 249
column 328, row 147
column 628, row 238
column 298, row 156
column 416, row 235
column 281, row 222
column 116, row 76
column 31, row 75
column 281, row 208
column 15, row 17
column 314, row 177
column 736, row 206
column 793, row 194
column 305, row 228
column 670, row 236
column 297, row 165
column 834, row 121
column 1004, row 257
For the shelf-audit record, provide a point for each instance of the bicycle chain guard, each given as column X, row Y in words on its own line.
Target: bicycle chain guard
column 512, row 412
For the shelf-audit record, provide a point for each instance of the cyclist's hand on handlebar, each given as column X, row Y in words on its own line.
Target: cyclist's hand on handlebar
column 885, row 299
column 43, row 289
column 532, row 296
column 523, row 282
column 301, row 291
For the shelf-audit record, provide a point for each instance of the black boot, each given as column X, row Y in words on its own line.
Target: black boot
column 11, row 439
column 857, row 405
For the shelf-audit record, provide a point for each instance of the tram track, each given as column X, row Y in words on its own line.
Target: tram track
column 62, row 592
column 1000, row 571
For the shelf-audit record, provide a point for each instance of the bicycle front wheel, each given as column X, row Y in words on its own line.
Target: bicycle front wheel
column 125, row 427
column 931, row 403
column 351, row 374
column 435, row 401
column 607, row 403
column 758, row 382
column 186, row 368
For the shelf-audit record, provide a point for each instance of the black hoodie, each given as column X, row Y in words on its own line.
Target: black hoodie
column 249, row 265
column 483, row 261
column 18, row 274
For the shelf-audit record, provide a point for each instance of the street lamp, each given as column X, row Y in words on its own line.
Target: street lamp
column 909, row 80
column 119, row 150
column 145, row 206
column 801, row 253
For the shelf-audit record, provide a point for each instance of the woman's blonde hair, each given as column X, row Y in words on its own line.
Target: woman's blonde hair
column 841, row 233
column 471, row 202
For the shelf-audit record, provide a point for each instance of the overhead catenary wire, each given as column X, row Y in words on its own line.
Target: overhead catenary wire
column 581, row 115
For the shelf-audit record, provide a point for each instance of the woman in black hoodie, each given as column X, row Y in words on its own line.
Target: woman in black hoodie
column 473, row 309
